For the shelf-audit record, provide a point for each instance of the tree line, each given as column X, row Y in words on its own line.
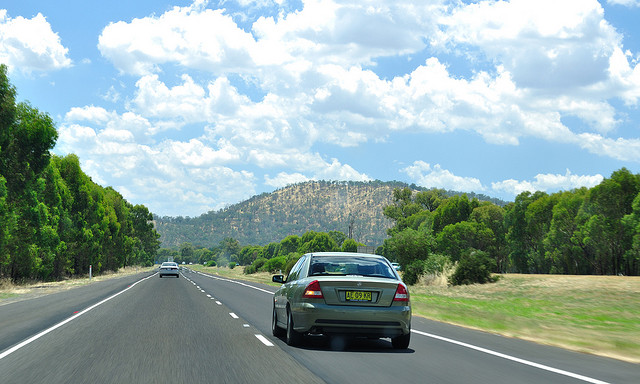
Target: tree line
column 54, row 220
column 273, row 257
column 584, row 231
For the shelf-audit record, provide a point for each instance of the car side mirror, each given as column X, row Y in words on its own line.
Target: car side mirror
column 278, row 279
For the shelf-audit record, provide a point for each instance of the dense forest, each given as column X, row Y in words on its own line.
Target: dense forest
column 354, row 208
column 54, row 220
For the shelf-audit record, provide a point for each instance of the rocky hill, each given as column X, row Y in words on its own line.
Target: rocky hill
column 322, row 206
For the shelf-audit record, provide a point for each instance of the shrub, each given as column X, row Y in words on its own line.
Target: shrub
column 222, row 261
column 211, row 263
column 258, row 263
column 413, row 271
column 275, row 264
column 436, row 264
column 437, row 270
column 474, row 267
column 232, row 265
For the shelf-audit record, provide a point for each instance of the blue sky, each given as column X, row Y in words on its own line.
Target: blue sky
column 190, row 106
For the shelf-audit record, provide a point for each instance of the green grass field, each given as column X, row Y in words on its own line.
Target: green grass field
column 592, row 314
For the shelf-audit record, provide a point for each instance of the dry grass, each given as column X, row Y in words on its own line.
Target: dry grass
column 10, row 292
column 435, row 279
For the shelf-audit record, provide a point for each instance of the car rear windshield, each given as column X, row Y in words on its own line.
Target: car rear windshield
column 350, row 265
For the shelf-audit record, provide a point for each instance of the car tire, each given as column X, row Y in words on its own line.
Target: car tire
column 275, row 330
column 161, row 276
column 401, row 342
column 293, row 338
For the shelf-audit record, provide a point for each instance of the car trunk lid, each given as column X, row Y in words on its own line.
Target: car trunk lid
column 358, row 291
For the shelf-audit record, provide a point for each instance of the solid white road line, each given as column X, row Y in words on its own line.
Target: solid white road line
column 516, row 359
column 60, row 324
column 236, row 282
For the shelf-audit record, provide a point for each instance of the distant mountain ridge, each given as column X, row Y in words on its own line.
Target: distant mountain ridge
column 320, row 206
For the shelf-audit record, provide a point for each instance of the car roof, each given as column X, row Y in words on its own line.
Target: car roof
column 342, row 254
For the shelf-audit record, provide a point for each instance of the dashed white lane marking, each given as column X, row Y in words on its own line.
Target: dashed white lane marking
column 517, row 360
column 208, row 295
column 60, row 324
column 233, row 315
column 219, row 303
column 202, row 290
column 264, row 340
column 246, row 326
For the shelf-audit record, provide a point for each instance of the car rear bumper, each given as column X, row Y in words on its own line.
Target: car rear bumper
column 366, row 321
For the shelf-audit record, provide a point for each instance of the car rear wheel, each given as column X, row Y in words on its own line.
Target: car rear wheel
column 275, row 330
column 293, row 338
column 401, row 342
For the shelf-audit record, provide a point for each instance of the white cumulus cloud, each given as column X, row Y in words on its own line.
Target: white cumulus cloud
column 547, row 183
column 30, row 45
column 428, row 176
column 627, row 3
column 282, row 179
column 191, row 36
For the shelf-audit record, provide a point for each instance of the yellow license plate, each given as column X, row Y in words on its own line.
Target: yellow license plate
column 358, row 296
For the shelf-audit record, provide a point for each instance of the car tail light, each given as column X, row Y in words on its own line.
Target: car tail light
column 313, row 291
column 401, row 293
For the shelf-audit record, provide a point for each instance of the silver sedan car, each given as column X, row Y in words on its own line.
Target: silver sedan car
column 169, row 268
column 342, row 293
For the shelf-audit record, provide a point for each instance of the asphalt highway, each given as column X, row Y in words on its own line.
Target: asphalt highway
column 205, row 329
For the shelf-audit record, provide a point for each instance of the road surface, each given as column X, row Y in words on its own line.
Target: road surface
column 201, row 328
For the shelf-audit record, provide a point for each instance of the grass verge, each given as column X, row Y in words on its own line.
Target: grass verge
column 591, row 314
column 10, row 292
